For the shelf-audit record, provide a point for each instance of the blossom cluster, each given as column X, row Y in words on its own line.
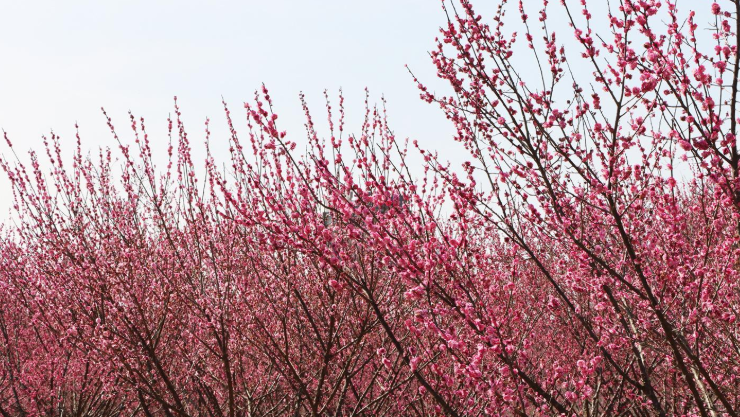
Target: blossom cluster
column 584, row 260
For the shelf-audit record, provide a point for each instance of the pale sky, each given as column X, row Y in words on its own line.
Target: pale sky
column 62, row 61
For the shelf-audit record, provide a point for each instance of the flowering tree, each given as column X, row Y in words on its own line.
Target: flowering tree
column 580, row 178
column 584, row 261
column 150, row 298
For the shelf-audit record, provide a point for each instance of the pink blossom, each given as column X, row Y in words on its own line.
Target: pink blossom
column 574, row 263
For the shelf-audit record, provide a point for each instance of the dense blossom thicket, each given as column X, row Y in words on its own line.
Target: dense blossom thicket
column 584, row 262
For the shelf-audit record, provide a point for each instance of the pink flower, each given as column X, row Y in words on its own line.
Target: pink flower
column 414, row 363
column 387, row 363
column 501, row 120
column 728, row 317
column 702, row 145
column 715, row 8
column 336, row 285
column 553, row 303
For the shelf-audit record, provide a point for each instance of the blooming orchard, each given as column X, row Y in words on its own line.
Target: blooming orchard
column 584, row 261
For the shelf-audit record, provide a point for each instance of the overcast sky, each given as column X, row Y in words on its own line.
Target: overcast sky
column 62, row 61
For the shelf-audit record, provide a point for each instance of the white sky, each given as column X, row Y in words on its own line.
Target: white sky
column 62, row 61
